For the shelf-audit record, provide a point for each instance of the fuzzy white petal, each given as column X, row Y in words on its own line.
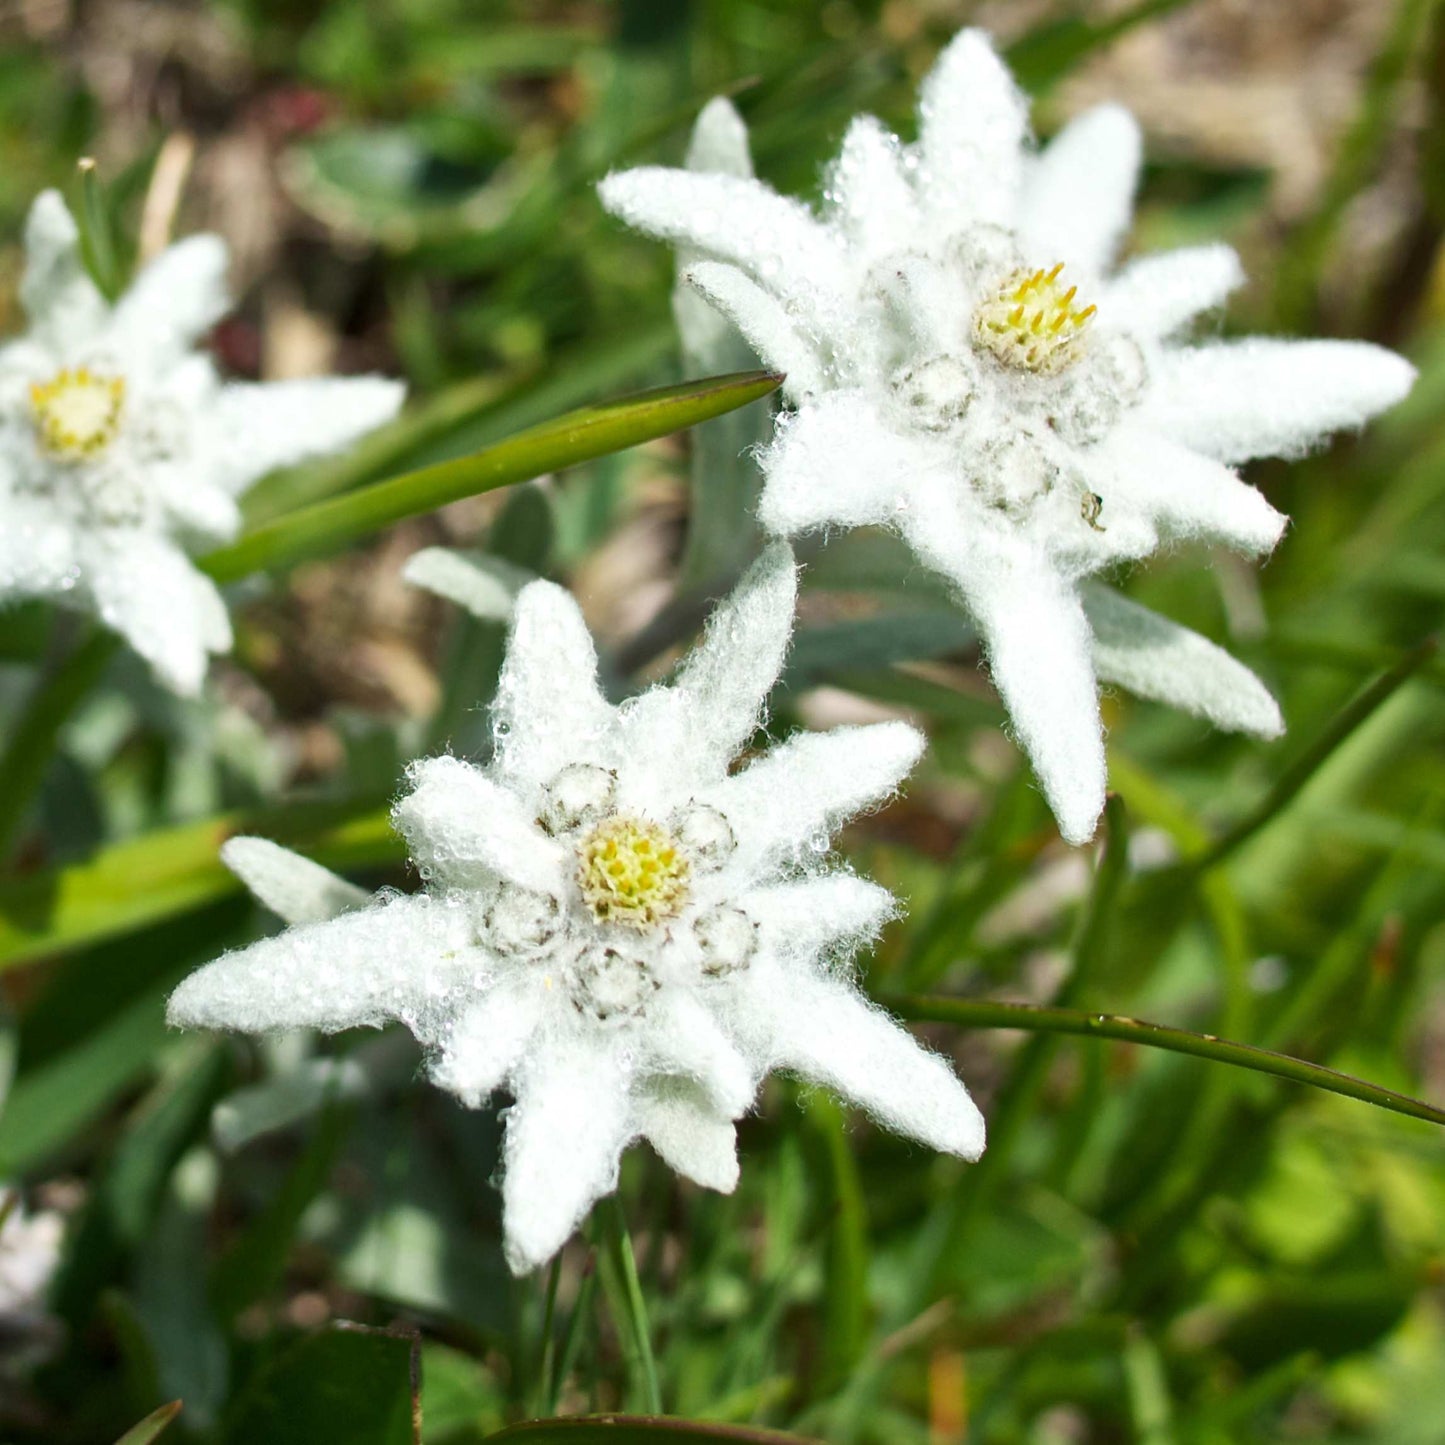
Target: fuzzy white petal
column 257, row 428
column 719, row 141
column 1188, row 495
column 736, row 220
column 1079, row 192
column 685, row 1041
column 1038, row 647
column 388, row 961
column 1266, row 398
column 174, row 301
column 1159, row 659
column 466, row 829
column 205, row 515
column 834, row 913
column 769, row 330
column 714, row 704
column 834, row 463
column 61, row 300
column 828, row 1033
column 548, row 706
column 565, row 1137
column 293, row 887
column 1155, row 296
column 869, row 196
column 486, row 586
column 790, row 802
column 146, row 589
column 38, row 553
column 487, row 1041
column 690, row 1138
column 972, row 123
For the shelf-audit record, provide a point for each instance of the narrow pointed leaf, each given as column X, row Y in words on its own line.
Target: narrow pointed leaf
column 579, row 436
column 143, row 1432
column 1029, row 1018
column 168, row 872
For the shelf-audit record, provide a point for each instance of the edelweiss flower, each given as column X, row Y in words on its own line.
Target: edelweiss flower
column 613, row 927
column 29, row 1256
column 120, row 450
column 967, row 369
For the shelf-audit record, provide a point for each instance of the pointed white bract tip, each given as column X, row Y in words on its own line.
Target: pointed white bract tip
column 294, row 888
column 50, row 224
column 720, row 140
column 486, row 586
column 1078, row 818
column 898, row 746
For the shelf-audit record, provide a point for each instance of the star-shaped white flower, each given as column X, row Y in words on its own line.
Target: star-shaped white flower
column 614, row 927
column 967, row 368
column 121, row 451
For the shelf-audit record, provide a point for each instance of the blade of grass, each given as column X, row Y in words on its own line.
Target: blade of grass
column 635, row 1330
column 577, row 437
column 1345, row 723
column 148, row 1429
column 156, row 876
column 57, row 694
column 1033, row 1018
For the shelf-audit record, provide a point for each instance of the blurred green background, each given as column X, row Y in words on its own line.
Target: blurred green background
column 1156, row 1248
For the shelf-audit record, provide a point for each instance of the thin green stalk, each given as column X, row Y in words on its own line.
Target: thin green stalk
column 1345, row 723
column 57, row 694
column 544, row 1392
column 1031, row 1018
column 640, row 1361
column 572, row 1339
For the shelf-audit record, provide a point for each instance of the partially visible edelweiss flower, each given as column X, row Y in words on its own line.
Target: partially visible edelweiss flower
column 121, row 451
column 967, row 369
column 614, row 928
column 29, row 1256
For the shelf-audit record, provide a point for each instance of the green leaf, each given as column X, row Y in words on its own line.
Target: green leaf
column 149, row 1428
column 32, row 741
column 981, row 1014
column 347, row 1384
column 172, row 871
column 633, row 1430
column 577, row 437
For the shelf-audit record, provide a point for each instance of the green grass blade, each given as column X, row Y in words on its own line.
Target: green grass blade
column 579, row 436
column 165, row 873
column 56, row 696
column 1346, row 722
column 633, row 1430
column 148, row 1429
column 1031, row 1018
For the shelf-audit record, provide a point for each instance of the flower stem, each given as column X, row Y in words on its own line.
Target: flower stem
column 57, row 694
column 546, row 1391
column 640, row 1361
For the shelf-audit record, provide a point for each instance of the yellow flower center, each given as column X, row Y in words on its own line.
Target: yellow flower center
column 77, row 413
column 631, row 871
column 1031, row 322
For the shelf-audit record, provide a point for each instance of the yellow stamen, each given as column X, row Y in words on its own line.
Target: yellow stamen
column 631, row 871
column 77, row 413
column 1030, row 323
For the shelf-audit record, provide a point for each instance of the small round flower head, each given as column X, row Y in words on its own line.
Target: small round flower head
column 121, row 452
column 615, row 927
column 966, row 367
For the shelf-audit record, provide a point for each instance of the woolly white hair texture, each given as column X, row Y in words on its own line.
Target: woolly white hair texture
column 967, row 367
column 121, row 452
column 614, row 927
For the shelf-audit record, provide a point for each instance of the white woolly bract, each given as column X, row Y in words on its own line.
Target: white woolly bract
column 967, row 368
column 29, row 1256
column 121, row 451
column 610, row 1015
